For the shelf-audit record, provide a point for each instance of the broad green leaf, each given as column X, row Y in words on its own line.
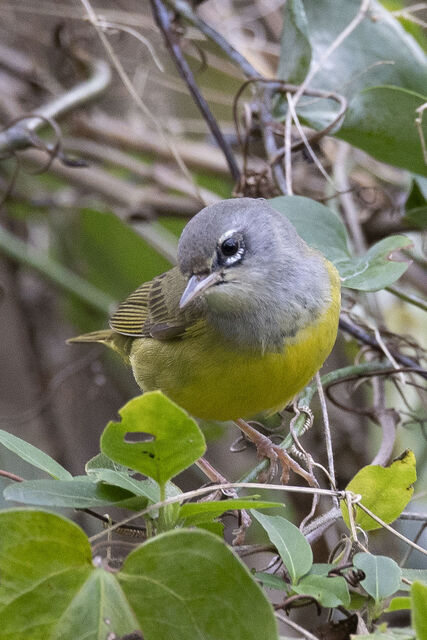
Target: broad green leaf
column 383, row 575
column 329, row 592
column 381, row 121
column 195, row 512
column 418, row 575
column 147, row 488
column 217, row 528
column 78, row 493
column 175, row 439
column 321, row 568
column 378, row 267
column 270, row 581
column 318, row 225
column 398, row 604
column 295, row 53
column 379, row 68
column 419, row 609
column 322, row 229
column 416, row 204
column 290, row 543
column 384, row 491
column 34, row 456
column 378, row 51
column 49, row 587
column 202, row 586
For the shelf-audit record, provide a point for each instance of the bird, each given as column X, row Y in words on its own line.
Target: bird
column 241, row 324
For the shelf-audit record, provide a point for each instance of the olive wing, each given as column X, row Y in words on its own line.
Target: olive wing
column 152, row 310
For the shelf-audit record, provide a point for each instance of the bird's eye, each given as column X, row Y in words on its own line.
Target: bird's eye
column 230, row 247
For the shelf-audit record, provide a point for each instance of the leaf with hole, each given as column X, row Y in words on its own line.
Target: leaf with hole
column 175, row 441
column 385, row 491
column 33, row 456
column 382, row 575
column 290, row 543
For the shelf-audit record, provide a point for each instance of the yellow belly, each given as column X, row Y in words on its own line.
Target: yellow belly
column 212, row 380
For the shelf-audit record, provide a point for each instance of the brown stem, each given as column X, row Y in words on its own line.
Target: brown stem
column 162, row 18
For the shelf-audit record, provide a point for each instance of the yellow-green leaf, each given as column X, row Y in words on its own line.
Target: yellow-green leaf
column 385, row 491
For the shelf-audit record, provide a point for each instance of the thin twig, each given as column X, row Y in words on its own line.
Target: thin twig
column 288, row 150
column 327, row 434
column 161, row 16
column 184, row 9
column 188, row 495
column 366, row 338
column 296, row 626
column 391, row 530
column 408, row 297
column 134, row 94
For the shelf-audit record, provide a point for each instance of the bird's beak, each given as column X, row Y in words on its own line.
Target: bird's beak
column 196, row 285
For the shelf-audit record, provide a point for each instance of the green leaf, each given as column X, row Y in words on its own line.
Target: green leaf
column 322, row 229
column 101, row 462
column 34, row 456
column 295, row 48
column 318, row 225
column 383, row 575
column 290, row 543
column 329, row 592
column 204, row 588
column 195, row 512
column 176, row 441
column 381, row 121
column 379, row 267
column 379, row 68
column 147, row 488
column 399, row 604
column 384, row 491
column 270, row 581
column 416, row 204
column 49, row 587
column 378, row 51
column 419, row 609
column 78, row 493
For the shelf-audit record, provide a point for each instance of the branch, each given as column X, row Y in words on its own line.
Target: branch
column 161, row 16
column 21, row 134
column 368, row 339
column 184, row 9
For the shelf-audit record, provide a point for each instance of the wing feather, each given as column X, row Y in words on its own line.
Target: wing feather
column 152, row 310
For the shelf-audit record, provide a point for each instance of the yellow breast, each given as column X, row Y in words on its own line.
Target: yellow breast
column 209, row 378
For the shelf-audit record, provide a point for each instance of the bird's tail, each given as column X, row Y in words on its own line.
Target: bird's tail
column 105, row 336
column 120, row 344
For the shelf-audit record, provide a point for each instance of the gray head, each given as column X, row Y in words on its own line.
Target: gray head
column 257, row 279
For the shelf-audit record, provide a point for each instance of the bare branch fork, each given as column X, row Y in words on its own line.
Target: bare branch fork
column 163, row 21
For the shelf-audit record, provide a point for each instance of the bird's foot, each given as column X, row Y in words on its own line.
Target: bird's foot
column 276, row 455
